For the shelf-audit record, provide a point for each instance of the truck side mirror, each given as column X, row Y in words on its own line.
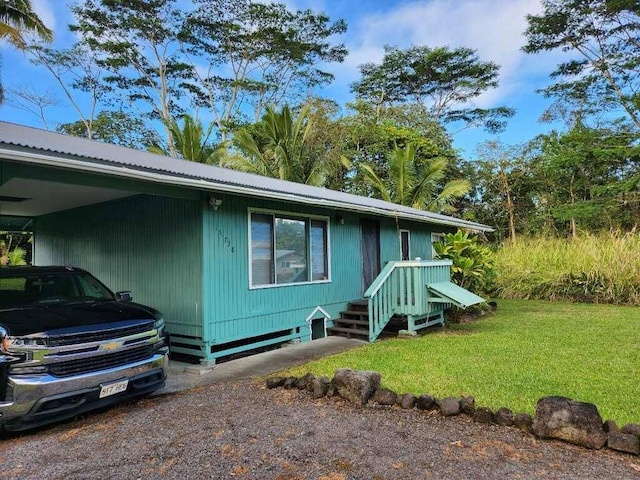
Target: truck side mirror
column 124, row 296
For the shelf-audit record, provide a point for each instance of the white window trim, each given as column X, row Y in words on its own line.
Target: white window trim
column 408, row 242
column 293, row 215
column 436, row 237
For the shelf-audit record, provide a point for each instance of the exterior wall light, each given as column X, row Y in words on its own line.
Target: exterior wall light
column 214, row 203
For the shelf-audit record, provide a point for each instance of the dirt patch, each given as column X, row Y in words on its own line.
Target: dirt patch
column 241, row 430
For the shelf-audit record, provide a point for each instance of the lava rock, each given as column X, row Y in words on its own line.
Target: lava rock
column 449, row 406
column 624, row 442
column 611, row 426
column 331, row 391
column 522, row 421
column 483, row 415
column 407, row 401
column 425, row 402
column 306, row 382
column 468, row 405
column 632, row 429
column 290, row 382
column 504, row 417
column 356, row 386
column 320, row 386
column 275, row 382
column 565, row 419
column 385, row 396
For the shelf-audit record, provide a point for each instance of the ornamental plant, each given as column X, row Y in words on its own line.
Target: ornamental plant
column 473, row 266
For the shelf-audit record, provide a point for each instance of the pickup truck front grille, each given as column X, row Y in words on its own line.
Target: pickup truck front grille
column 97, row 336
column 100, row 362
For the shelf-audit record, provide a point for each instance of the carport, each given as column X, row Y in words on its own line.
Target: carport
column 122, row 224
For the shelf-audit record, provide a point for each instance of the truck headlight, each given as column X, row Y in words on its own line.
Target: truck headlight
column 159, row 325
column 26, row 341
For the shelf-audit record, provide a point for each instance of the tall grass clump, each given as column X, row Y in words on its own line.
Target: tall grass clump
column 603, row 268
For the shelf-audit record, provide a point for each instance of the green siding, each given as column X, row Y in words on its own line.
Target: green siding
column 147, row 244
column 419, row 238
column 234, row 311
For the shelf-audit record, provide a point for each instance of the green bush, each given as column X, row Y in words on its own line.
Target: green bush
column 601, row 268
column 472, row 263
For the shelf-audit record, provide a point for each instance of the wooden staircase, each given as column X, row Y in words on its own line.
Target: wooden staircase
column 353, row 322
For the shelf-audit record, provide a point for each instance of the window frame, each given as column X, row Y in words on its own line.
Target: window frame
column 307, row 218
column 435, row 237
column 408, row 232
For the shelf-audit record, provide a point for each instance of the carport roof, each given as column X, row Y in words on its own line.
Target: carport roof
column 30, row 145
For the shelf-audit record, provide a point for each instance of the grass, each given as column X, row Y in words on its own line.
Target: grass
column 602, row 268
column 524, row 351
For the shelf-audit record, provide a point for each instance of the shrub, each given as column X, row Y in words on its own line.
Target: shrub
column 472, row 263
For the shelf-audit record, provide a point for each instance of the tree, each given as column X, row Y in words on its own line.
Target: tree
column 77, row 73
column 33, row 102
column 277, row 147
column 192, row 142
column 590, row 178
column 17, row 18
column 257, row 54
column 604, row 36
column 415, row 187
column 441, row 81
column 136, row 42
column 116, row 127
column 504, row 189
column 369, row 136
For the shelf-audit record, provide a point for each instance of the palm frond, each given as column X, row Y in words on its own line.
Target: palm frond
column 18, row 18
column 448, row 195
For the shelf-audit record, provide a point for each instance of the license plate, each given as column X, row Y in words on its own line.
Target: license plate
column 113, row 388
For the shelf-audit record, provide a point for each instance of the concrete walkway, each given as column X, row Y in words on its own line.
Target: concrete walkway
column 184, row 376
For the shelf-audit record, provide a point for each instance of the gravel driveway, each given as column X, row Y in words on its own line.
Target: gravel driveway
column 241, row 430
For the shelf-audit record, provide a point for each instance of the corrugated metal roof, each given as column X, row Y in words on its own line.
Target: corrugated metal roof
column 42, row 146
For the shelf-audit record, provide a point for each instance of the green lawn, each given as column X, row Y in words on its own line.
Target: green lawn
column 524, row 351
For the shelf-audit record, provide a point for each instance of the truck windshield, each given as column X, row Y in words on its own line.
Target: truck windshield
column 47, row 288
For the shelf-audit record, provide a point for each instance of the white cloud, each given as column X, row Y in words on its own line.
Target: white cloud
column 493, row 27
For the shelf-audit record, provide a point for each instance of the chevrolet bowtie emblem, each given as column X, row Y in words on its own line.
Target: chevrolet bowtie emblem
column 109, row 346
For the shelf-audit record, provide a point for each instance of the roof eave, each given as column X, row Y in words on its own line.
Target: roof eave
column 28, row 155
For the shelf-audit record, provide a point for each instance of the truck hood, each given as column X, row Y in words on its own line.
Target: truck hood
column 65, row 318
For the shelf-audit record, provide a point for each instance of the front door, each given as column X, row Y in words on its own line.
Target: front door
column 370, row 252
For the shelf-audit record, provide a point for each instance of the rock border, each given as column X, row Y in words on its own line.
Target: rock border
column 557, row 418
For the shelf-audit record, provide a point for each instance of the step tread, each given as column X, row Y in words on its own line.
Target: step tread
column 354, row 331
column 355, row 314
column 352, row 321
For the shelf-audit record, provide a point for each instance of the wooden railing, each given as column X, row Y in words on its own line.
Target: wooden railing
column 400, row 289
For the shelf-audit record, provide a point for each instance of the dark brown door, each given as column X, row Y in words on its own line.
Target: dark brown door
column 370, row 252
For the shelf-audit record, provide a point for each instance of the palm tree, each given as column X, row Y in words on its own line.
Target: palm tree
column 416, row 187
column 191, row 142
column 17, row 18
column 277, row 146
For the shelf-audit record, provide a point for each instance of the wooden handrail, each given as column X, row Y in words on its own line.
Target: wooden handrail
column 391, row 266
column 400, row 288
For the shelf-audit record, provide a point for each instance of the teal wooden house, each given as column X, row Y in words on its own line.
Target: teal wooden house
column 234, row 261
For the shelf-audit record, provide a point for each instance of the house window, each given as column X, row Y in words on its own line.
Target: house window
column 435, row 237
column 405, row 244
column 288, row 250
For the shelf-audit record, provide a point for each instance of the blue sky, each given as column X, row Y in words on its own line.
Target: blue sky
column 492, row 27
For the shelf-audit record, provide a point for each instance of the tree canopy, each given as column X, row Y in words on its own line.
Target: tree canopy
column 442, row 81
column 602, row 38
